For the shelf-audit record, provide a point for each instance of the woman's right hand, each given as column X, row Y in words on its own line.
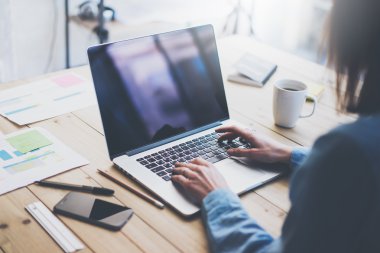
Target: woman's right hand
column 263, row 149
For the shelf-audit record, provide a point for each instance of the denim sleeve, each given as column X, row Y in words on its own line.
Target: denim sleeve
column 298, row 157
column 229, row 227
column 322, row 218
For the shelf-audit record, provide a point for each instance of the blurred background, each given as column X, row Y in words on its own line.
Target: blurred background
column 33, row 33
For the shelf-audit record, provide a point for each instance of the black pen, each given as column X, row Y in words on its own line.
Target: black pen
column 81, row 188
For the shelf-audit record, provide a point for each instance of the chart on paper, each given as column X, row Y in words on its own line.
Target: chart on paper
column 45, row 99
column 33, row 154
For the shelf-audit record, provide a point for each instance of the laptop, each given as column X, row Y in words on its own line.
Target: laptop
column 161, row 97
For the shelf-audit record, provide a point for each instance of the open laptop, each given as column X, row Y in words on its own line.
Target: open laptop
column 161, row 98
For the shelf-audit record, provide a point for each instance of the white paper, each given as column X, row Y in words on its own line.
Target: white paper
column 23, row 169
column 45, row 99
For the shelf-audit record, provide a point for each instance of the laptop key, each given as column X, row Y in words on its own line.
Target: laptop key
column 157, row 169
column 160, row 162
column 151, row 165
column 161, row 173
column 194, row 155
column 140, row 159
column 216, row 152
column 168, row 165
column 143, row 162
column 166, row 178
column 151, row 160
column 234, row 145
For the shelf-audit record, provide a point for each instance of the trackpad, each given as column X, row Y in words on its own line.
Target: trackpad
column 242, row 176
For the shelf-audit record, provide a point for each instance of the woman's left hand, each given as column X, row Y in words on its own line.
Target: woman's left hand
column 198, row 178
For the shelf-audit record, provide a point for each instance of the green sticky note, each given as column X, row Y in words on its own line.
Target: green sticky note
column 29, row 141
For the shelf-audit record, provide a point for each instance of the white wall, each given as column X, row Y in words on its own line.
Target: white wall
column 32, row 27
column 27, row 27
column 6, row 61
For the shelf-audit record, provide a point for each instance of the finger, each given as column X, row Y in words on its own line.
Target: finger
column 237, row 131
column 224, row 129
column 199, row 161
column 185, row 171
column 192, row 166
column 241, row 152
column 227, row 136
column 181, row 180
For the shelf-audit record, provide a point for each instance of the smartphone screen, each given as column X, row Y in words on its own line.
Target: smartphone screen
column 96, row 211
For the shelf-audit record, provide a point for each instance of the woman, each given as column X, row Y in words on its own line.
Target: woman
column 335, row 187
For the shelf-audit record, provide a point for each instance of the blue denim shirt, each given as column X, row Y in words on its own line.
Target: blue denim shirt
column 230, row 228
column 334, row 194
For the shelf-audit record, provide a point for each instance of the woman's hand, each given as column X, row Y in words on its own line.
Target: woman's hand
column 198, row 178
column 263, row 148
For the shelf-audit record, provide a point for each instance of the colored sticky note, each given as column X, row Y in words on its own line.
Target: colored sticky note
column 4, row 155
column 17, row 153
column 315, row 89
column 29, row 141
column 68, row 80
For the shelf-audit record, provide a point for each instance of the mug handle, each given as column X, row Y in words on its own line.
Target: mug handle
column 314, row 99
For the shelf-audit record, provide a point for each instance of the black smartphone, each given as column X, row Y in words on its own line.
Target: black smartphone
column 89, row 209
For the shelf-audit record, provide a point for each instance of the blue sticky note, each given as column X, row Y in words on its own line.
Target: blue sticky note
column 4, row 155
column 18, row 153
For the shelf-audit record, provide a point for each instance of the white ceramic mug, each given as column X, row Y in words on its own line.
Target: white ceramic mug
column 289, row 96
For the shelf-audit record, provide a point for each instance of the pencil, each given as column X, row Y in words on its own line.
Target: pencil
column 131, row 189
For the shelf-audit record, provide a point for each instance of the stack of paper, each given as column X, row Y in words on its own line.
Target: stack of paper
column 45, row 99
column 33, row 154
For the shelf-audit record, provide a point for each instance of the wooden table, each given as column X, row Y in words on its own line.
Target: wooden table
column 152, row 229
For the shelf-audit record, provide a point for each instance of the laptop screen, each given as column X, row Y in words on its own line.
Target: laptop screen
column 152, row 88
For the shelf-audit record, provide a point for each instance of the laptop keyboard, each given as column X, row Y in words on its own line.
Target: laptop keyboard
column 207, row 147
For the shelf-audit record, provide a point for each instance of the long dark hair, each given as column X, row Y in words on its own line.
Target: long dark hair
column 354, row 50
